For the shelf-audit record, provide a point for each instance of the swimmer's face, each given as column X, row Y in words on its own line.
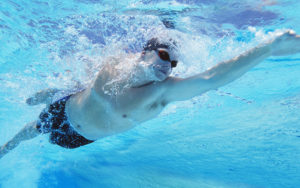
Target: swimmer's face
column 162, row 62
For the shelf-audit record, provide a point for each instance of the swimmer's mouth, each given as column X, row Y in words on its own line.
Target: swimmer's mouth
column 162, row 71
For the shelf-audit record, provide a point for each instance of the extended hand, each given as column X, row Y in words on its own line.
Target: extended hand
column 287, row 43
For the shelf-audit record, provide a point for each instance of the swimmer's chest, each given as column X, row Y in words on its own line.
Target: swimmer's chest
column 142, row 111
column 98, row 116
column 141, row 104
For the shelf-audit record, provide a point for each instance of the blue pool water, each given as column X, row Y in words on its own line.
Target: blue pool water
column 246, row 134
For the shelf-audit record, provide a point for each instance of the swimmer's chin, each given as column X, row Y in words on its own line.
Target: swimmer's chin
column 161, row 75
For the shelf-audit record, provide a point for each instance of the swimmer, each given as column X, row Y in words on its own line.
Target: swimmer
column 93, row 113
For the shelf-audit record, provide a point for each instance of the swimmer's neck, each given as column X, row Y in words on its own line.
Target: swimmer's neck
column 143, row 85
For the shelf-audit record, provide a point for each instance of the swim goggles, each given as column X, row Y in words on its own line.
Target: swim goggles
column 164, row 55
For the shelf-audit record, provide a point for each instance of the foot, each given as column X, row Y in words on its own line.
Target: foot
column 42, row 97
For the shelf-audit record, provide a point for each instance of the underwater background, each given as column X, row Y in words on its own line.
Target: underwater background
column 245, row 134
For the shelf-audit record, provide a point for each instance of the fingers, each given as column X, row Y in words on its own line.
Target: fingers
column 291, row 32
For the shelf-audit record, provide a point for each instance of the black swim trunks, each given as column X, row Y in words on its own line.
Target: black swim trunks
column 54, row 120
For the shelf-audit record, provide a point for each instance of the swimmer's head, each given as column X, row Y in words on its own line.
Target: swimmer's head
column 161, row 56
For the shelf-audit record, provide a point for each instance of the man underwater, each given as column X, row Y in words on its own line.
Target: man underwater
column 94, row 113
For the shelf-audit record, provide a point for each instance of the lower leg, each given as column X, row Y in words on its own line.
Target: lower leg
column 28, row 132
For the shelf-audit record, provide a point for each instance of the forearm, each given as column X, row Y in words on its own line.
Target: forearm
column 228, row 71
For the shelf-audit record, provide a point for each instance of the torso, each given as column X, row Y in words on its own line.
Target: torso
column 95, row 114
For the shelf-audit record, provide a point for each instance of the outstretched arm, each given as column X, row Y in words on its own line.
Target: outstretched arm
column 183, row 89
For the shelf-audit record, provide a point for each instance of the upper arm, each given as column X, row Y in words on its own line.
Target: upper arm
column 179, row 89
